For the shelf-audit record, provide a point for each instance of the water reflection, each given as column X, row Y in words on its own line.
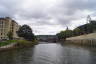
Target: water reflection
column 20, row 56
column 49, row 54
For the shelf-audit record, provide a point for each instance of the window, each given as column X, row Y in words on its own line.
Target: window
column 1, row 33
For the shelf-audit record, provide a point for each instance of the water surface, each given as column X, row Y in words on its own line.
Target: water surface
column 49, row 53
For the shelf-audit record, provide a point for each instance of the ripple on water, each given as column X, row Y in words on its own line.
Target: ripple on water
column 49, row 53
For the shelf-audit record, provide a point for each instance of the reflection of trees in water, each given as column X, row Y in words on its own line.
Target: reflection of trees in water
column 49, row 54
column 19, row 56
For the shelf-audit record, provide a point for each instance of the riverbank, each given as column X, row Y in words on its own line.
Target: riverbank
column 84, row 40
column 11, row 44
column 7, row 47
column 7, row 42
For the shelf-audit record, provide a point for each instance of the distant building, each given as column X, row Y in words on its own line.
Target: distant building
column 8, row 25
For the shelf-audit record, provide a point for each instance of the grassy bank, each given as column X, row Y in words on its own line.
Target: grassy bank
column 14, row 44
column 20, row 43
column 25, row 43
column 4, row 43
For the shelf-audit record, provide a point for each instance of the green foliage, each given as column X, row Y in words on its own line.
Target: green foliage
column 25, row 43
column 64, row 34
column 76, row 32
column 4, row 43
column 68, row 33
column 10, row 35
column 21, row 43
column 83, row 29
column 61, row 35
column 26, row 32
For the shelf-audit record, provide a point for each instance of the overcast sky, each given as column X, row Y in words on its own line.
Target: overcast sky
column 48, row 16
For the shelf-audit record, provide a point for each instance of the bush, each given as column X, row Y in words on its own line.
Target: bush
column 4, row 43
column 25, row 43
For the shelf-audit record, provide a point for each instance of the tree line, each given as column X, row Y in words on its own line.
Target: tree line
column 80, row 30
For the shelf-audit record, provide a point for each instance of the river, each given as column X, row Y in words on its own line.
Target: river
column 49, row 53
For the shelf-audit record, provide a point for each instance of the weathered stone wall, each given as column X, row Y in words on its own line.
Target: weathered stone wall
column 87, row 42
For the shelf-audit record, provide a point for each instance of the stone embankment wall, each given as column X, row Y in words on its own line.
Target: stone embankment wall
column 86, row 40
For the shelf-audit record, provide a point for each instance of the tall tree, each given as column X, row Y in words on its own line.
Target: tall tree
column 26, row 32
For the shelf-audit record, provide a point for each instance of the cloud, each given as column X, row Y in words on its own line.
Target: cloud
column 49, row 13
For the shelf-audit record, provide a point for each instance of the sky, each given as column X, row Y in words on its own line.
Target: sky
column 48, row 16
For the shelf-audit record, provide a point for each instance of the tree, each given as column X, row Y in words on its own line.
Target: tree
column 26, row 32
column 68, row 33
column 61, row 35
column 10, row 35
column 76, row 32
column 64, row 34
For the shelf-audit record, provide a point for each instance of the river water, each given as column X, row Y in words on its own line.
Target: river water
column 49, row 53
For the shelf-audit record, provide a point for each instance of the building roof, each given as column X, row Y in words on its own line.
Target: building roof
column 6, row 18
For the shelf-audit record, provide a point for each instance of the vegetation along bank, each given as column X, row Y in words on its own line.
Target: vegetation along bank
column 81, row 35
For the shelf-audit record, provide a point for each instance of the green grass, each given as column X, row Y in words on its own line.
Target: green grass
column 25, row 43
column 7, row 42
column 21, row 43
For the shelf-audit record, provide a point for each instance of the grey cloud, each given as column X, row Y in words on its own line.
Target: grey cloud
column 63, row 12
column 68, row 10
column 9, row 8
column 33, row 15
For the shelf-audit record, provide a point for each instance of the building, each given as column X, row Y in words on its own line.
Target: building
column 8, row 25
